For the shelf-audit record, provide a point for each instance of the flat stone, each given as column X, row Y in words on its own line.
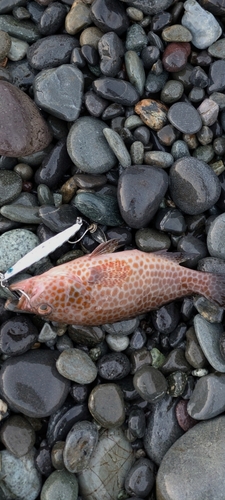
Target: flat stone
column 135, row 70
column 187, row 178
column 81, row 150
column 207, row 400
column 153, row 113
column 215, row 237
column 76, row 365
column 18, row 435
column 116, row 90
column 208, row 111
column 108, row 467
column 142, row 188
column 23, row 130
column 185, row 118
column 208, row 335
column 101, row 208
column 202, row 24
column 199, row 455
column 59, row 91
column 20, row 477
column 51, row 51
column 31, row 384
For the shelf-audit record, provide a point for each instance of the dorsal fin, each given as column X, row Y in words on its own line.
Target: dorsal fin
column 175, row 256
column 106, row 247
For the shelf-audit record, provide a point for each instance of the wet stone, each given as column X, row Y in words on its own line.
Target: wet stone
column 76, row 365
column 24, row 131
column 158, row 159
column 10, row 186
column 77, row 18
column 26, row 481
column 176, row 33
column 170, row 220
column 215, row 237
column 187, row 176
column 108, row 15
column 80, row 443
column 59, row 91
column 136, row 38
column 141, row 478
column 185, row 118
column 150, row 55
column 207, row 400
column 58, row 219
column 185, row 421
column 166, row 318
column 111, row 51
column 17, row 335
column 150, row 384
column 208, row 335
column 108, row 467
column 116, row 90
column 81, row 151
column 60, row 485
column 153, row 113
column 196, row 95
column 25, row 30
column 137, row 153
column 155, row 83
column 153, row 8
column 136, row 422
column 118, row 147
column 52, row 18
column 142, row 188
column 86, row 335
column 122, row 327
column 202, row 24
column 31, row 384
column 54, row 165
column 106, row 405
column 51, row 51
column 176, row 383
column 162, row 429
column 117, row 344
column 193, row 351
column 175, row 361
column 102, row 209
column 175, row 56
column 17, row 435
column 113, row 366
column 5, row 44
column 21, row 213
column 150, row 240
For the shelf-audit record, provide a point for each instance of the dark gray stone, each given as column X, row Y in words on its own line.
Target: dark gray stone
column 51, row 51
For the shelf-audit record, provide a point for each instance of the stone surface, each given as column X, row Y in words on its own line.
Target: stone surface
column 116, row 90
column 208, row 335
column 198, row 455
column 31, row 384
column 81, row 151
column 76, row 365
column 80, row 443
column 153, row 113
column 60, row 485
column 185, row 118
column 202, row 24
column 20, row 477
column 59, row 91
column 15, row 244
column 207, row 400
column 175, row 56
column 23, row 130
column 108, row 467
column 18, row 435
column 106, row 405
column 215, row 237
column 51, row 51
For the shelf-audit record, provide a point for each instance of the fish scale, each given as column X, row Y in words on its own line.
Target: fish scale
column 105, row 287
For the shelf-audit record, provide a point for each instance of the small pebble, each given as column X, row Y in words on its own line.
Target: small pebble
column 76, row 365
column 79, row 446
column 150, row 383
column 106, row 405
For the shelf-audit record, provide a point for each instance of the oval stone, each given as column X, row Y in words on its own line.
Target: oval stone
column 79, row 446
column 31, row 384
column 116, row 90
column 23, row 131
column 76, row 365
column 88, row 148
column 185, row 118
column 194, row 186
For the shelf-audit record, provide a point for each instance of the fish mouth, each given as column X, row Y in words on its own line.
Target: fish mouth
column 19, row 301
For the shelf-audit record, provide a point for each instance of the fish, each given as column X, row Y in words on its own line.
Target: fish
column 107, row 286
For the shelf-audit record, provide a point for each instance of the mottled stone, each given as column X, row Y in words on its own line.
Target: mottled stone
column 80, row 443
column 25, row 30
column 153, row 113
column 111, row 52
column 59, row 91
column 135, row 70
column 23, row 130
column 118, row 147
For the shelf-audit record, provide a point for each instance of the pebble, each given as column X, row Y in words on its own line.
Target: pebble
column 202, row 24
column 172, row 91
column 21, row 213
column 185, row 118
column 58, row 219
column 153, row 113
column 185, row 421
column 176, row 33
column 189, row 195
column 18, row 49
column 80, row 443
column 150, row 384
column 135, row 70
column 18, row 435
column 78, row 18
column 15, row 244
column 118, row 147
column 208, row 335
column 136, row 38
column 86, row 335
column 10, row 186
column 217, row 77
column 106, row 405
column 60, row 485
column 117, row 344
column 199, row 455
column 102, row 209
column 51, row 51
column 175, row 56
column 111, row 52
column 41, row 391
column 193, row 352
column 143, row 188
column 119, row 328
column 215, row 237
column 109, row 15
column 17, row 335
column 62, row 421
column 158, row 159
column 5, row 44
column 176, row 383
column 175, row 361
column 25, row 30
column 53, row 165
column 150, row 240
column 207, row 400
column 59, row 91
column 76, row 365
column 20, row 478
column 108, row 467
column 116, row 90
column 113, row 366
column 153, row 8
column 81, row 152
column 208, row 111
column 24, row 135
column 162, row 429
column 141, row 478
column 217, row 49
column 155, row 83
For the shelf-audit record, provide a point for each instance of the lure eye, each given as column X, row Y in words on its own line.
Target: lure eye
column 44, row 309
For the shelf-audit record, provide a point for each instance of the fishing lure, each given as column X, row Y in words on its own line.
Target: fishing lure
column 104, row 287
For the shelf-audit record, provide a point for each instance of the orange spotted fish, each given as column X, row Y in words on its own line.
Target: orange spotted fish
column 105, row 287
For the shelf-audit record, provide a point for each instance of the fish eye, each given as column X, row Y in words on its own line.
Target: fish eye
column 44, row 309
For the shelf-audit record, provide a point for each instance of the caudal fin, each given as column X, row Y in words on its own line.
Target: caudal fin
column 216, row 289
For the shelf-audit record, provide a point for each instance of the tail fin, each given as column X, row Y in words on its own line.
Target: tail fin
column 216, row 289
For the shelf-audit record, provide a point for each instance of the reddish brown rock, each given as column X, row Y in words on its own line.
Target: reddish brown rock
column 185, row 421
column 175, row 56
column 23, row 131
column 153, row 113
